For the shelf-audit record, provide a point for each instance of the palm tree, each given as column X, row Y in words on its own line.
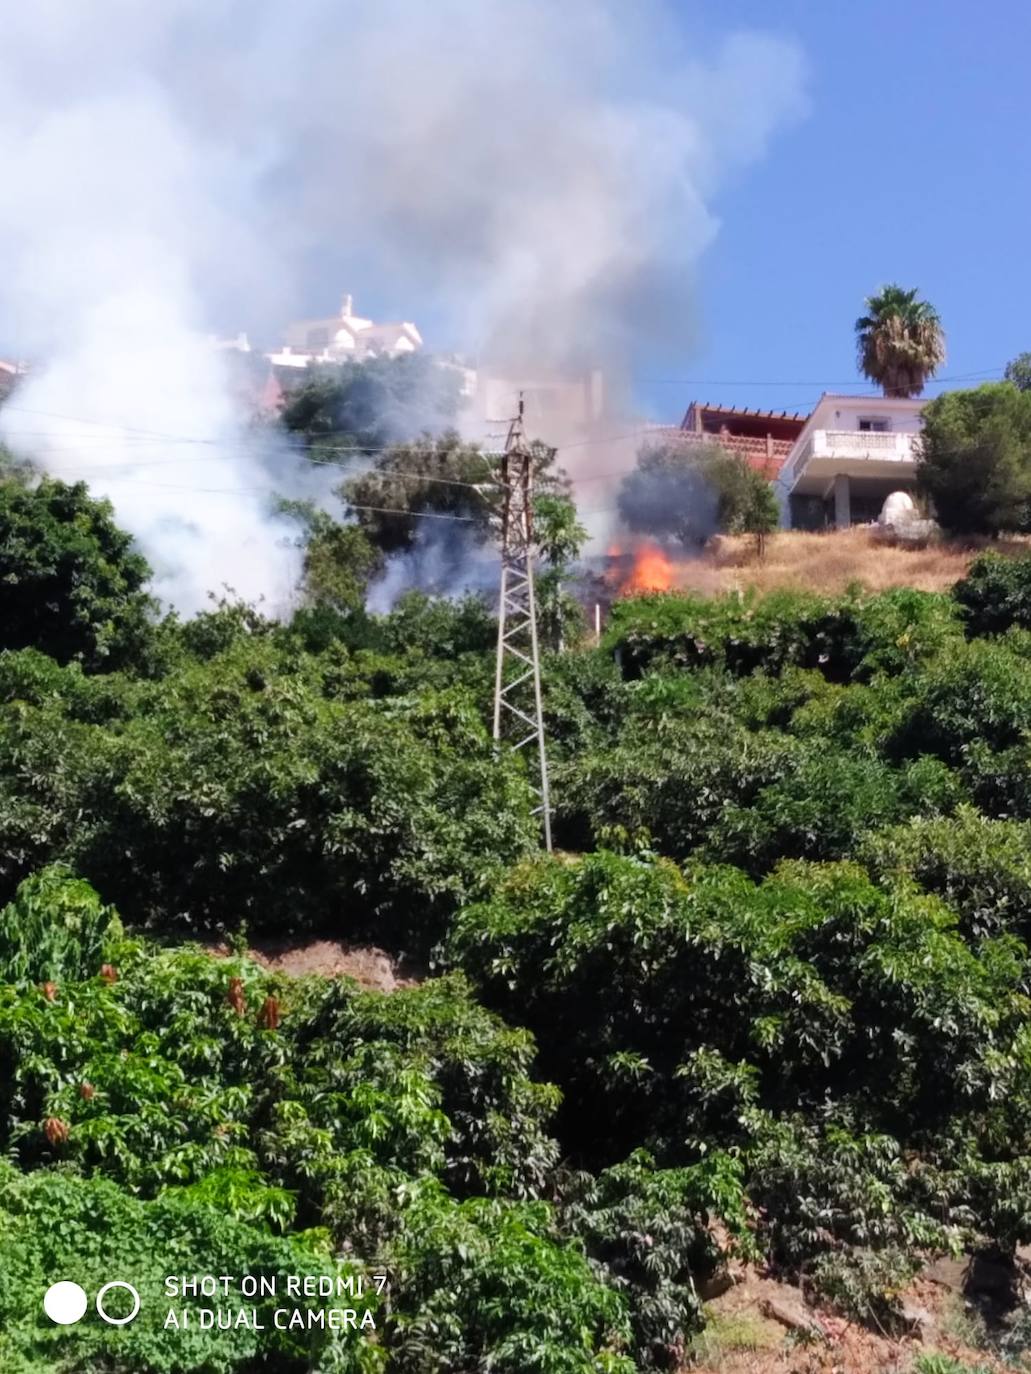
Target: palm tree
column 900, row 341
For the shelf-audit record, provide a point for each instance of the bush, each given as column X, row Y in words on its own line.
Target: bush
column 742, row 633
column 848, row 638
column 974, row 695
column 980, row 867
column 490, row 1286
column 995, row 595
column 55, row 928
column 669, row 1006
column 53, row 1223
column 238, row 791
column 160, row 1073
column 817, row 810
column 666, row 785
column 654, row 1230
column 866, row 1285
column 70, row 581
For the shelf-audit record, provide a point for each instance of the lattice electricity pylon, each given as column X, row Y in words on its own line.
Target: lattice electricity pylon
column 518, row 714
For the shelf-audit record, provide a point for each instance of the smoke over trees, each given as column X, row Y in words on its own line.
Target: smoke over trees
column 176, row 169
column 689, row 492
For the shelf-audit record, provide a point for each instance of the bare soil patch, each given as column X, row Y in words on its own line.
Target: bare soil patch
column 368, row 965
column 744, row 1335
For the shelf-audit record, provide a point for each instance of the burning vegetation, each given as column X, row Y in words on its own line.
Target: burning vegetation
column 644, row 566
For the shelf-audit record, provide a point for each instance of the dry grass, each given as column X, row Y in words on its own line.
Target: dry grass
column 830, row 562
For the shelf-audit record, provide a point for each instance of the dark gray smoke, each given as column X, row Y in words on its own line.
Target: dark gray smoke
column 671, row 494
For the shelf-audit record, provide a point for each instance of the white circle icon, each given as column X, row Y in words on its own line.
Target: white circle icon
column 64, row 1303
column 118, row 1321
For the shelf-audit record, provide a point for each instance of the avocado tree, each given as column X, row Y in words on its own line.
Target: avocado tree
column 71, row 581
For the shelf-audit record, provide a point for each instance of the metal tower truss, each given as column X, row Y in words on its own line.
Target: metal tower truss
column 518, row 714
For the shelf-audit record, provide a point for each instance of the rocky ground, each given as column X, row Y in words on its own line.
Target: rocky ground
column 955, row 1313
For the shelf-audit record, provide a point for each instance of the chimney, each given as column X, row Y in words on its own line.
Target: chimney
column 347, row 309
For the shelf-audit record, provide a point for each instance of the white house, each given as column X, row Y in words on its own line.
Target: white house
column 852, row 452
column 342, row 336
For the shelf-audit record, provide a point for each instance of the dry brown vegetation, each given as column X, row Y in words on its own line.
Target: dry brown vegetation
column 830, row 562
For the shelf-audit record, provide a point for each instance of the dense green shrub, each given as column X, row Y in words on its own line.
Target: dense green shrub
column 740, row 632
column 816, row 810
column 866, row 1285
column 240, row 791
column 54, row 1223
column 672, row 1007
column 240, row 1105
column 973, row 695
column 70, row 580
column 850, row 637
column 493, row 1287
column 654, row 1230
column 981, row 867
column 995, row 595
column 55, row 928
column 975, row 460
column 161, row 1074
column 666, row 785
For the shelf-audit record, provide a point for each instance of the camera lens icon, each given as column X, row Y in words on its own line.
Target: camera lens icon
column 118, row 1321
column 65, row 1303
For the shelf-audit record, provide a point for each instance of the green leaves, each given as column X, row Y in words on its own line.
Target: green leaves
column 975, row 463
column 701, row 1012
column 70, row 581
column 56, row 928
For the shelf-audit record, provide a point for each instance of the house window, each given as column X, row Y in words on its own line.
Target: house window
column 875, row 424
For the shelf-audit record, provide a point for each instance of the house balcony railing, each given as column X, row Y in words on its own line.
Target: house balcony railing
column 762, row 452
column 850, row 444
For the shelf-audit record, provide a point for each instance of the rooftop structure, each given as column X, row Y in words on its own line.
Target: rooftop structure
column 763, row 437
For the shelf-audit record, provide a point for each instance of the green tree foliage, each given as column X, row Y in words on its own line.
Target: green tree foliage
column 339, row 560
column 980, row 867
column 445, row 478
column 559, row 538
column 373, row 403
column 495, row 1288
column 442, row 477
column 56, row 927
column 812, row 1016
column 1018, row 371
column 688, row 492
column 654, row 1230
column 975, row 461
column 53, row 1222
column 70, row 581
column 995, row 595
column 900, row 342
column 766, row 1051
column 245, row 788
column 846, row 638
column 160, row 1093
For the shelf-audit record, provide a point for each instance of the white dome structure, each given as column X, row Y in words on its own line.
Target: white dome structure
column 898, row 509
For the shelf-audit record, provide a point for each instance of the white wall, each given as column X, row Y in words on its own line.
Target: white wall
column 845, row 412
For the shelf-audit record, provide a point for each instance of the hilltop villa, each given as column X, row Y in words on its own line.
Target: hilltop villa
column 850, row 454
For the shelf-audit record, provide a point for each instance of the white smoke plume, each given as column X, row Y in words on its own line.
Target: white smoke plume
column 534, row 179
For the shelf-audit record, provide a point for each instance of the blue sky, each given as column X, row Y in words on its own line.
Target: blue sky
column 911, row 166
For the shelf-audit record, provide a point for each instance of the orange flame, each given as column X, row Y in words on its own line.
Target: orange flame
column 643, row 567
